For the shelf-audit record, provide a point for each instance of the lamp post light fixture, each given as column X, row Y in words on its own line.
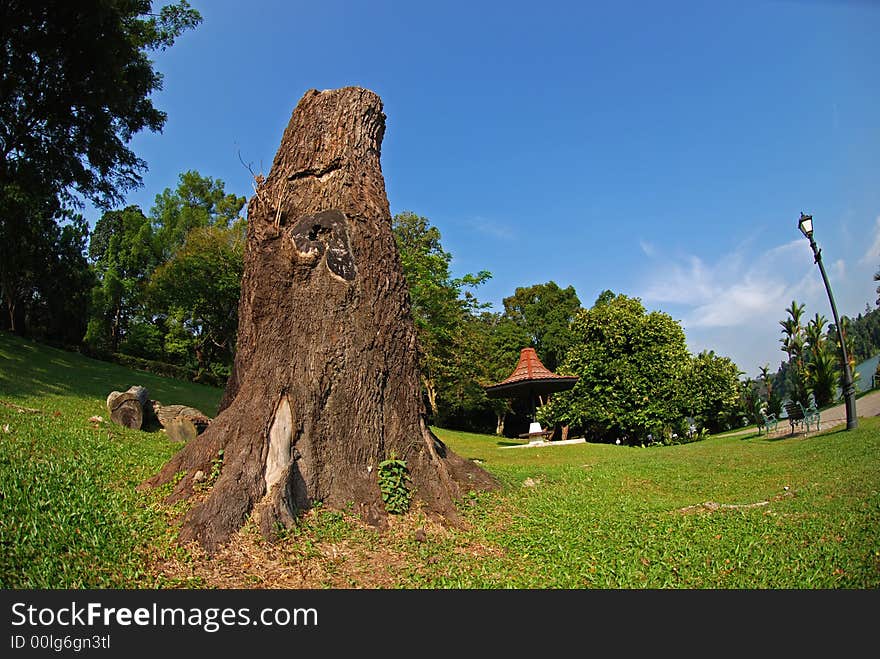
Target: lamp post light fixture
column 805, row 224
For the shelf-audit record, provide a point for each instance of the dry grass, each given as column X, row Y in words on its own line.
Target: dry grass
column 358, row 557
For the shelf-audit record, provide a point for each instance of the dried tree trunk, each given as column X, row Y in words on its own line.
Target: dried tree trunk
column 128, row 408
column 325, row 383
column 181, row 423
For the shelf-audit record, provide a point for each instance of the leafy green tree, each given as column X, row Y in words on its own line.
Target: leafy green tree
column 631, row 366
column 814, row 332
column 503, row 340
column 27, row 226
column 604, row 297
column 877, row 278
column 169, row 282
column 713, row 392
column 123, row 253
column 61, row 312
column 45, row 277
column 198, row 290
column 197, row 202
column 774, row 403
column 75, row 85
column 845, row 325
column 820, row 367
column 792, row 331
column 793, row 344
column 822, row 374
column 441, row 307
column 864, row 332
column 750, row 400
column 545, row 312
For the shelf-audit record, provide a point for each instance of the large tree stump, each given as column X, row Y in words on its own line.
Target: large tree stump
column 128, row 408
column 325, row 384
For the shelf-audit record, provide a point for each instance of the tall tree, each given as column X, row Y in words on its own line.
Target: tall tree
column 123, row 252
column 793, row 340
column 631, row 366
column 712, row 391
column 45, row 279
column 441, row 307
column 27, row 224
column 767, row 381
column 197, row 202
column 199, row 287
column 545, row 312
column 814, row 332
column 75, row 86
column 792, row 330
column 503, row 341
column 820, row 364
column 59, row 309
column 822, row 375
column 877, row 278
column 845, row 326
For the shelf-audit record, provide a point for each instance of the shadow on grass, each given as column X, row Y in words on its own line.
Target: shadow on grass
column 511, row 443
column 29, row 369
column 792, row 434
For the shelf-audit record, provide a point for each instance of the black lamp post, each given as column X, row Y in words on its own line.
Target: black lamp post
column 805, row 224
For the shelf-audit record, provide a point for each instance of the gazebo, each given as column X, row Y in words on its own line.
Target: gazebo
column 533, row 382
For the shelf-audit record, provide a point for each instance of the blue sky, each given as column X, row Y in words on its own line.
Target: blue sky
column 662, row 150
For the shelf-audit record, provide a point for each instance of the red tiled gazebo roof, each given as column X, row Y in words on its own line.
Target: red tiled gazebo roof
column 530, row 377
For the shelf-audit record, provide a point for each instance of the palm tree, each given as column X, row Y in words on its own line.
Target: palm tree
column 793, row 345
column 815, row 338
column 877, row 278
column 820, row 364
column 822, row 376
column 796, row 311
column 788, row 331
column 850, row 353
column 768, row 383
column 791, row 327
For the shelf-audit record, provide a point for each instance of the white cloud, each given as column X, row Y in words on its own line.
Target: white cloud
column 733, row 303
column 738, row 304
column 647, row 248
column 686, row 283
column 735, row 290
column 493, row 228
column 872, row 255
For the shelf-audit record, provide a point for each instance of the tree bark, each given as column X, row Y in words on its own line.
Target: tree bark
column 128, row 408
column 325, row 383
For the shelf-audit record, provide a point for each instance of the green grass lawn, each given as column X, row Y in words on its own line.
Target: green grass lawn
column 780, row 512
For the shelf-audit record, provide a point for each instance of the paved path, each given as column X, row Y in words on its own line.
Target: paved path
column 867, row 405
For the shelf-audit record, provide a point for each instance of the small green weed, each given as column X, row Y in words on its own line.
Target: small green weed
column 216, row 466
column 394, row 482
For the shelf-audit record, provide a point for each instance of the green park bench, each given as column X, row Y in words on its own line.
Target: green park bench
column 768, row 421
column 799, row 415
